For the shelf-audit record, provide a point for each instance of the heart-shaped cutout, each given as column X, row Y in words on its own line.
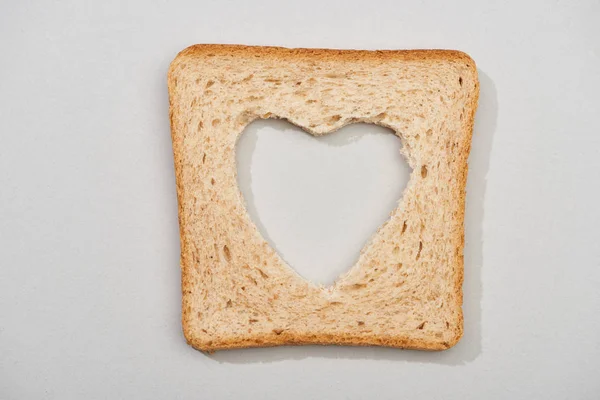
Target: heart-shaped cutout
column 318, row 200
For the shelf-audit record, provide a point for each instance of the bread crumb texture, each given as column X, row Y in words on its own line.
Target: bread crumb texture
column 406, row 288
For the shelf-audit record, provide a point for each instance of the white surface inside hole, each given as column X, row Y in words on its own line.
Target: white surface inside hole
column 318, row 200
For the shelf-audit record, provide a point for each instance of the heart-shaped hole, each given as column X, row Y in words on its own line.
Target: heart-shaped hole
column 318, row 200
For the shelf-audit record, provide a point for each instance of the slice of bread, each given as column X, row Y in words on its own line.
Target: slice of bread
column 406, row 288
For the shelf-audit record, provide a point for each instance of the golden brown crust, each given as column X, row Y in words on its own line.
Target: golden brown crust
column 285, row 53
column 291, row 339
column 464, row 155
column 406, row 341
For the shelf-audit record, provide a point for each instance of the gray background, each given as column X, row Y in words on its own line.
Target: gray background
column 89, row 247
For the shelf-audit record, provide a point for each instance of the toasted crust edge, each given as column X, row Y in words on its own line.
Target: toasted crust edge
column 337, row 54
column 299, row 339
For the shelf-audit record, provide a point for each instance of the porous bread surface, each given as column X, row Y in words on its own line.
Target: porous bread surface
column 405, row 290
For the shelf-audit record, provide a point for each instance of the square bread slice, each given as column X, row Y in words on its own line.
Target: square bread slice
column 406, row 288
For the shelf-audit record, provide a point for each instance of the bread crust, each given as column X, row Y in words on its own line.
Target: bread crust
column 208, row 341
